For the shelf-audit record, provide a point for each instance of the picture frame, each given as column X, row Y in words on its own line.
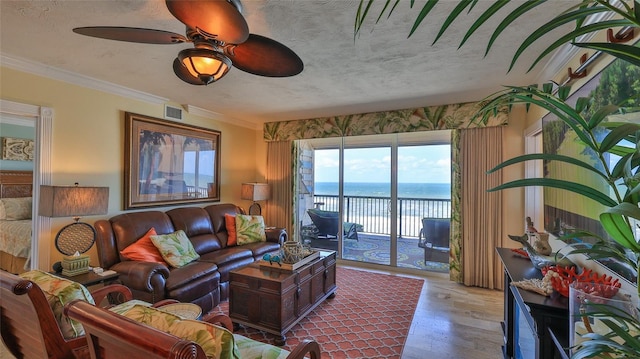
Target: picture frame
column 17, row 149
column 564, row 211
column 168, row 163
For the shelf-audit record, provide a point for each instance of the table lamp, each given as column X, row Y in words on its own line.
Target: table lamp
column 255, row 192
column 78, row 237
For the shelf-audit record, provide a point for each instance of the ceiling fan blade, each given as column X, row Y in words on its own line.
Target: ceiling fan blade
column 263, row 56
column 217, row 19
column 132, row 34
column 184, row 74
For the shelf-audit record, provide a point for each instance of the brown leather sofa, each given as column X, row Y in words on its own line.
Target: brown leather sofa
column 205, row 281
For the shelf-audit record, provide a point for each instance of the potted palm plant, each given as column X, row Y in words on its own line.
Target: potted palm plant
column 621, row 196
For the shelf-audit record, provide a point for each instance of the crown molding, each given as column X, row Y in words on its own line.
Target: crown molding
column 197, row 111
column 43, row 70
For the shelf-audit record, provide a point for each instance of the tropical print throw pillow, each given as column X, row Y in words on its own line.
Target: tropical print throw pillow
column 60, row 291
column 175, row 248
column 216, row 342
column 249, row 229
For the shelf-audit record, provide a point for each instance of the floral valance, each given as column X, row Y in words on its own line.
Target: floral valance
column 410, row 120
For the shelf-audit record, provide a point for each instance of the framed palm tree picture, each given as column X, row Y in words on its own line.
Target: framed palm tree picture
column 169, row 163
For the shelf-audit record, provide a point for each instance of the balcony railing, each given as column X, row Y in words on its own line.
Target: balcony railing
column 374, row 213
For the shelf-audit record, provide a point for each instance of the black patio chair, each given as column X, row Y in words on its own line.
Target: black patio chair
column 434, row 236
column 327, row 223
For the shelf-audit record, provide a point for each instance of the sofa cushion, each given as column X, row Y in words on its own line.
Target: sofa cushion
column 216, row 213
column 192, row 281
column 259, row 249
column 227, row 255
column 144, row 250
column 175, row 248
column 59, row 292
column 250, row 229
column 216, row 342
column 230, row 221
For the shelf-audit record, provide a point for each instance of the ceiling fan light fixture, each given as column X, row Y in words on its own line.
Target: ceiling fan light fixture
column 205, row 64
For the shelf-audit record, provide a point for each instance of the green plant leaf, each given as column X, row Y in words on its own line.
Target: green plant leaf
column 521, row 10
column 618, row 228
column 548, row 157
column 582, row 103
column 560, row 184
column 454, row 14
column 570, row 121
column 564, row 92
column 426, row 9
column 553, row 24
column 499, row 4
column 567, row 38
column 617, row 134
column 628, row 53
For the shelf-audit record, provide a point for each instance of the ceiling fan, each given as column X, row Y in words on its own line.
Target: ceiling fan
column 221, row 40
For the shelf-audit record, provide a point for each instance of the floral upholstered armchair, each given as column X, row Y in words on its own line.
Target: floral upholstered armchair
column 159, row 334
column 31, row 314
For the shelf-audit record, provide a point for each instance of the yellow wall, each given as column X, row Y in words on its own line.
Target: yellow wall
column 88, row 140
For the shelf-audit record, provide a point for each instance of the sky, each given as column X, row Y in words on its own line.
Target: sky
column 416, row 164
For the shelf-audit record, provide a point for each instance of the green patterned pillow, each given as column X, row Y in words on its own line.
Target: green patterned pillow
column 250, row 348
column 216, row 342
column 175, row 248
column 249, row 229
column 59, row 292
column 126, row 306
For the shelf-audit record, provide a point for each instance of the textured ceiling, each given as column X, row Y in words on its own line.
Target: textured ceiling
column 380, row 70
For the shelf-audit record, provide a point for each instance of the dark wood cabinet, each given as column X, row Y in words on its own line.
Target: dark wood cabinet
column 534, row 325
column 275, row 300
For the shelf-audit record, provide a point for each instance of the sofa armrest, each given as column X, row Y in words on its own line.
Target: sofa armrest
column 276, row 235
column 142, row 276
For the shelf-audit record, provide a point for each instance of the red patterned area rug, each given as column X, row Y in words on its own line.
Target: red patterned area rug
column 369, row 317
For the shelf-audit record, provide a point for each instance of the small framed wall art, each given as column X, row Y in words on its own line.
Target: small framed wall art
column 17, row 149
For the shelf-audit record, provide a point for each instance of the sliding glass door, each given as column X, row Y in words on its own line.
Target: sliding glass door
column 377, row 190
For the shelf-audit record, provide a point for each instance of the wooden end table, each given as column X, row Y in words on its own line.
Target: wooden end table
column 274, row 300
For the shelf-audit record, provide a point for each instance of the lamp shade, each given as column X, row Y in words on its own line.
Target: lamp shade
column 73, row 201
column 255, row 191
column 207, row 65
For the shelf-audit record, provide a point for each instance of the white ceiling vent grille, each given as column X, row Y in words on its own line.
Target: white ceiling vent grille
column 172, row 113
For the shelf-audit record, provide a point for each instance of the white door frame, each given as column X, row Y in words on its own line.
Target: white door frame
column 41, row 226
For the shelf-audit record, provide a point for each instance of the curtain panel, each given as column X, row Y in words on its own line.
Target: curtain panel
column 280, row 177
column 446, row 117
column 479, row 231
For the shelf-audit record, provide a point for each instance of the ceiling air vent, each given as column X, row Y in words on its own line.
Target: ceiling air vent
column 172, row 113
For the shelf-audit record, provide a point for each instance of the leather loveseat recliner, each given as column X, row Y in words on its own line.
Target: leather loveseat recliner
column 205, row 281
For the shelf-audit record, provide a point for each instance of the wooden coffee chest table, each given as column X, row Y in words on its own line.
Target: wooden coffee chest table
column 274, row 300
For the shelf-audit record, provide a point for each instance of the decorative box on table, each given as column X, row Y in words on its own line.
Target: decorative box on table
column 75, row 265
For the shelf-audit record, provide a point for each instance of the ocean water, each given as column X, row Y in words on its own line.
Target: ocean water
column 405, row 190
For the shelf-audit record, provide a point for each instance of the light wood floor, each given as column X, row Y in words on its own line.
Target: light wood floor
column 454, row 321
column 451, row 321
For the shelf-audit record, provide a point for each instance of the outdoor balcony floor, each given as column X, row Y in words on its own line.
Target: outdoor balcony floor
column 375, row 248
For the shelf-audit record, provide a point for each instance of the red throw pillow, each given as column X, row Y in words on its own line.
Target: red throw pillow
column 144, row 250
column 230, row 223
